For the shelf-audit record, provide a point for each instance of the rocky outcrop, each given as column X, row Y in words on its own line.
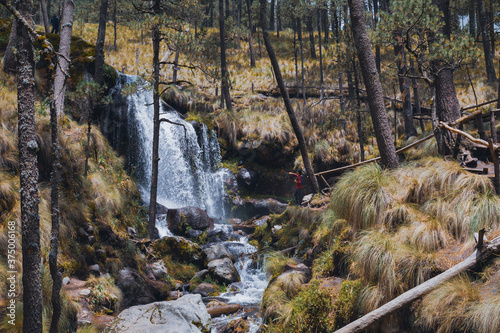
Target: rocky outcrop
column 218, row 251
column 223, row 270
column 156, row 270
column 186, row 314
column 180, row 220
column 137, row 289
column 181, row 249
column 249, row 208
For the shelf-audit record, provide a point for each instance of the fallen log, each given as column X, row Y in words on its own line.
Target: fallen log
column 413, row 294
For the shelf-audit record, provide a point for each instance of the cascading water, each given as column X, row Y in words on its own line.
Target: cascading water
column 189, row 175
column 188, row 171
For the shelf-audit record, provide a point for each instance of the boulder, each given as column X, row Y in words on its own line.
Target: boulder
column 206, row 289
column 180, row 219
column 136, row 289
column 217, row 308
column 192, row 233
column 223, row 270
column 246, row 177
column 157, row 270
column 248, row 208
column 201, row 274
column 186, row 314
column 181, row 249
column 238, row 325
column 218, row 251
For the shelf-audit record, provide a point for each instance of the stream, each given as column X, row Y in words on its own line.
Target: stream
column 190, row 174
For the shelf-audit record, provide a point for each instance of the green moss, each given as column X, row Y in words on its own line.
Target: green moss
column 345, row 308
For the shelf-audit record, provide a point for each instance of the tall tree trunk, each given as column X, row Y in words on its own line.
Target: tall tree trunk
column 99, row 45
column 299, row 35
column 211, row 20
column 472, row 18
column 45, row 16
column 56, row 112
column 404, row 87
column 286, row 98
column 325, row 23
column 278, row 18
column 294, row 22
column 155, row 30
column 373, row 87
column 115, row 21
column 309, row 24
column 491, row 27
column 377, row 47
column 488, row 55
column 9, row 59
column 416, row 96
column 227, row 9
column 223, row 65
column 64, row 56
column 250, row 33
column 271, row 16
column 320, row 56
column 28, row 173
column 358, row 116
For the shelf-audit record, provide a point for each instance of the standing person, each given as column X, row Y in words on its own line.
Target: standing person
column 299, row 194
column 55, row 24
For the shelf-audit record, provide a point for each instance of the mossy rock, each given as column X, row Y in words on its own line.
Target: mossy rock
column 181, row 249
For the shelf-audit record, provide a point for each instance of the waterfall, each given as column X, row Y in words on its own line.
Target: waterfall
column 189, row 172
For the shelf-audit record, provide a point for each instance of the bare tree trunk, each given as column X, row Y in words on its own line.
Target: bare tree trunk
column 64, row 51
column 278, row 18
column 299, row 35
column 227, row 10
column 373, row 87
column 472, row 18
column 250, row 33
column 416, row 97
column 28, row 172
column 223, row 65
column 491, row 28
column 377, row 47
column 404, row 87
column 115, row 21
column 156, row 123
column 320, row 56
column 9, row 59
column 311, row 36
column 286, row 98
column 294, row 20
column 56, row 112
column 45, row 16
column 99, row 45
column 488, row 55
column 271, row 16
column 176, row 61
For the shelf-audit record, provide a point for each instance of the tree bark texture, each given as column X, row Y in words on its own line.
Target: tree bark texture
column 99, row 45
column 309, row 23
column 63, row 57
column 28, row 172
column 286, row 98
column 9, row 60
column 250, row 34
column 404, row 87
column 45, row 16
column 223, row 65
column 447, row 109
column 488, row 55
column 472, row 18
column 373, row 87
column 156, row 124
column 271, row 16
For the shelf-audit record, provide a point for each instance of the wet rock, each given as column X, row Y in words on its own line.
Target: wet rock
column 249, row 208
column 186, row 314
column 160, row 209
column 157, row 270
column 247, row 177
column 201, row 274
column 206, row 289
column 262, row 221
column 224, row 270
column 180, row 219
column 238, row 325
column 307, row 198
column 181, row 249
column 217, row 308
column 218, row 251
column 136, row 289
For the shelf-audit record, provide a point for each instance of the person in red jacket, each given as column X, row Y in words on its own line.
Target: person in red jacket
column 299, row 194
